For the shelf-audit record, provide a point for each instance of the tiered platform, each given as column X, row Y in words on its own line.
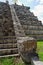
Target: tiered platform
column 30, row 23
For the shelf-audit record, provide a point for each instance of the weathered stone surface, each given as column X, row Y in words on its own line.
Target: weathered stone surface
column 8, row 41
column 13, row 36
column 30, row 23
column 25, row 44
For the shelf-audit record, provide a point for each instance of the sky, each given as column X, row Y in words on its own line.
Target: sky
column 36, row 6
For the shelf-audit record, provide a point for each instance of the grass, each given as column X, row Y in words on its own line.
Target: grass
column 11, row 61
column 7, row 61
column 40, row 49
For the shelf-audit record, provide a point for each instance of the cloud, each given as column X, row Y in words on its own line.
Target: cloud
column 38, row 10
column 29, row 1
column 2, row 0
column 41, row 1
column 19, row 2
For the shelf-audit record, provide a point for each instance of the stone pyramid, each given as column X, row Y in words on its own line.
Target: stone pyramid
column 12, row 35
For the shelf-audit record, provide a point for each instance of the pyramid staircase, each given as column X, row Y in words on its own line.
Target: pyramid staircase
column 19, row 32
column 17, row 26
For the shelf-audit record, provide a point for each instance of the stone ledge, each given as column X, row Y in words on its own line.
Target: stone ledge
column 36, row 62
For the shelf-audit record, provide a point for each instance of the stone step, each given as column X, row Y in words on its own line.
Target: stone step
column 20, row 35
column 10, row 45
column 38, row 37
column 9, row 37
column 30, row 27
column 34, row 32
column 20, row 30
column 10, row 55
column 8, row 51
column 7, row 41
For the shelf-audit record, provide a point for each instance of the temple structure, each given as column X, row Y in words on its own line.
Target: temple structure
column 30, row 23
column 16, row 23
column 12, row 35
